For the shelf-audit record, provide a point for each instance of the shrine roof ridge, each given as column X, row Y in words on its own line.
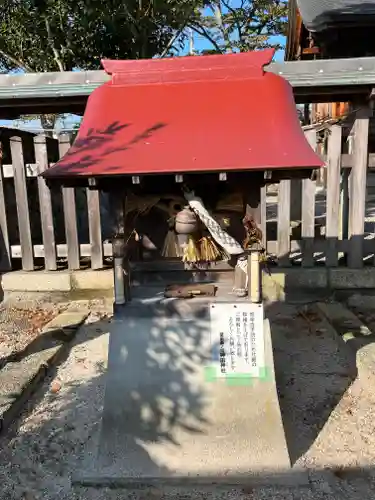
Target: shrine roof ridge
column 300, row 74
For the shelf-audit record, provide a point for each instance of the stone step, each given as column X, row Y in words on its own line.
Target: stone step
column 354, row 333
column 345, row 322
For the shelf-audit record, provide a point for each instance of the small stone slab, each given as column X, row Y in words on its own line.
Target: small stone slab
column 364, row 307
column 66, row 323
column 355, row 334
column 20, row 378
column 347, row 324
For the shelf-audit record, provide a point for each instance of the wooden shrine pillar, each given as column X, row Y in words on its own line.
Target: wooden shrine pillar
column 254, row 206
column 120, row 248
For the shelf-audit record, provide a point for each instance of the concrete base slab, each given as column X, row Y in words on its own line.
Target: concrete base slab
column 281, row 285
column 166, row 422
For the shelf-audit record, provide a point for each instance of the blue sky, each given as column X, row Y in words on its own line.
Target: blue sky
column 201, row 43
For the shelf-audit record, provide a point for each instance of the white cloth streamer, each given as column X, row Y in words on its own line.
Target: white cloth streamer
column 230, row 245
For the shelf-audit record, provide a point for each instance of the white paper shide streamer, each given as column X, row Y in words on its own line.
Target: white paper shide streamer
column 230, row 245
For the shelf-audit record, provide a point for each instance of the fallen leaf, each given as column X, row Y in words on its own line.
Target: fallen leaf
column 55, row 386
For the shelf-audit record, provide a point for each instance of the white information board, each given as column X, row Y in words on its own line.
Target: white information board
column 237, row 338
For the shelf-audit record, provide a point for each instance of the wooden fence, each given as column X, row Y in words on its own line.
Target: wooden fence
column 330, row 230
column 49, row 251
column 342, row 237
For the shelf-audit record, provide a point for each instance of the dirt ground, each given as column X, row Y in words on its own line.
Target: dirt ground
column 20, row 324
column 327, row 409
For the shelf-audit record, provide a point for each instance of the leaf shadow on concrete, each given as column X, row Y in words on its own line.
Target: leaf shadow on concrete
column 46, row 451
column 314, row 367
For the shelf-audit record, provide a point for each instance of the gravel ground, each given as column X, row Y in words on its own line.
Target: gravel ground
column 326, row 406
column 22, row 323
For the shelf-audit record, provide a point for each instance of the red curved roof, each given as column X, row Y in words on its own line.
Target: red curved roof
column 188, row 114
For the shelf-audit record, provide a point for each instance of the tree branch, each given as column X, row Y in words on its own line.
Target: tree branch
column 222, row 28
column 178, row 33
column 16, row 62
column 261, row 27
column 51, row 42
column 171, row 41
column 203, row 32
column 235, row 17
column 134, row 28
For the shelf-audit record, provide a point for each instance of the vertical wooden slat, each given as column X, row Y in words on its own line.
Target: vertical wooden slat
column 357, row 187
column 22, row 204
column 344, row 204
column 5, row 255
column 344, row 191
column 295, row 200
column 283, row 224
column 45, row 203
column 93, row 205
column 308, row 210
column 70, row 213
column 333, row 195
column 263, row 215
